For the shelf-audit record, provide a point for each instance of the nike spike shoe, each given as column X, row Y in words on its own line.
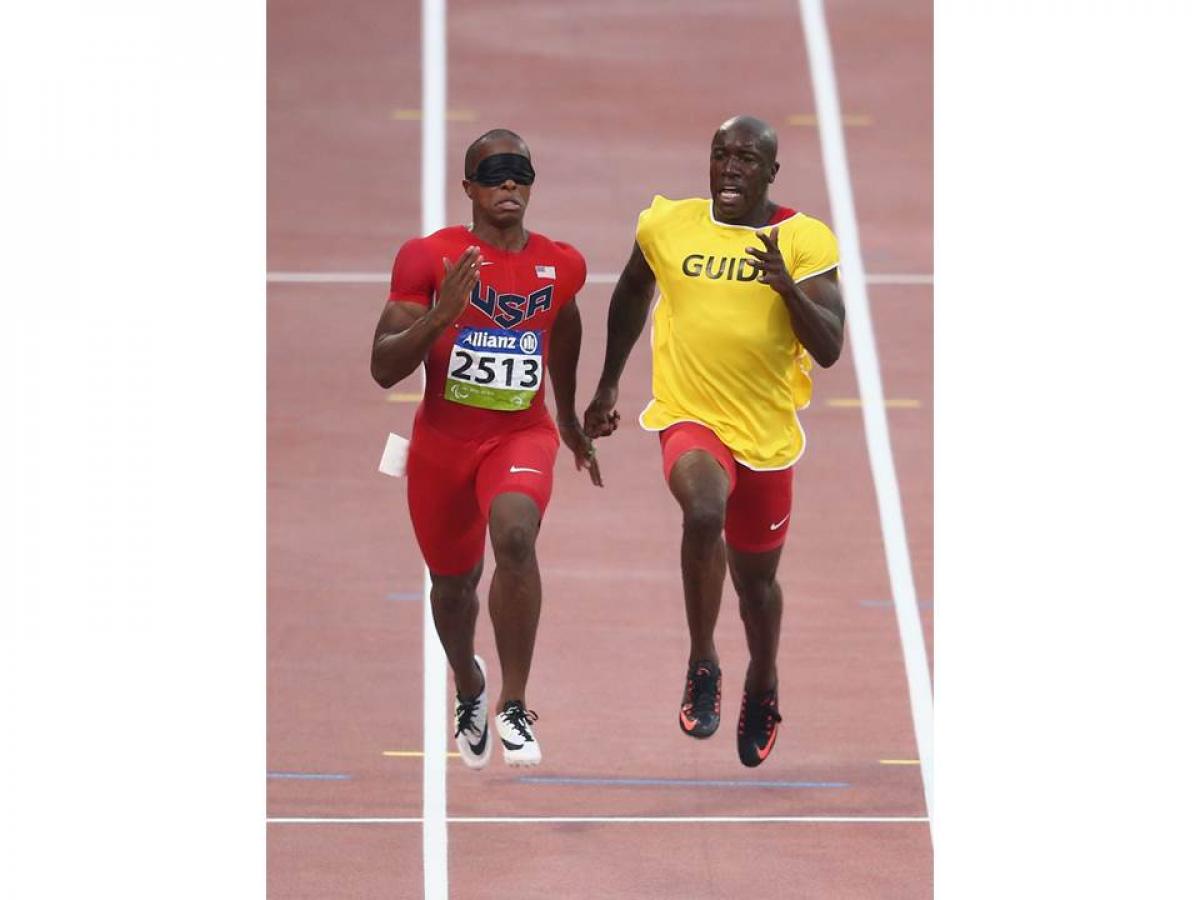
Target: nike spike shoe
column 515, row 727
column 471, row 725
column 758, row 726
column 700, row 710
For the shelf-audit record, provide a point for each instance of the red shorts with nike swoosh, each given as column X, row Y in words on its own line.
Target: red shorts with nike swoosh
column 452, row 483
column 758, row 510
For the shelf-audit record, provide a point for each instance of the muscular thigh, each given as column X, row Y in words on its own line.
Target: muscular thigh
column 679, row 443
column 447, row 519
column 759, row 510
column 519, row 463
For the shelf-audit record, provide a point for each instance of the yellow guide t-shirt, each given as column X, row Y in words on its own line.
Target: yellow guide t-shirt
column 724, row 352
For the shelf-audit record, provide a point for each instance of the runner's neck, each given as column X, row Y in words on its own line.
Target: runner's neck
column 510, row 240
column 760, row 217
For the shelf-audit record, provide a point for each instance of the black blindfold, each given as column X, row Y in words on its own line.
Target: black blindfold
column 500, row 167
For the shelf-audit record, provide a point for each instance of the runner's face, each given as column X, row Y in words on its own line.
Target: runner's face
column 738, row 174
column 502, row 205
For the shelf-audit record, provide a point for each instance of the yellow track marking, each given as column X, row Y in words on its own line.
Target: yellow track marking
column 855, row 402
column 899, row 762
column 850, row 120
column 414, row 753
column 403, row 398
column 452, row 115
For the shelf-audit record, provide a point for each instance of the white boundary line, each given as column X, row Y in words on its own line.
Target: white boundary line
column 597, row 278
column 434, row 837
column 328, row 277
column 866, row 366
column 608, row 820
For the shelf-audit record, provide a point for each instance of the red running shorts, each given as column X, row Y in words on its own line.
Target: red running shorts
column 758, row 509
column 452, row 483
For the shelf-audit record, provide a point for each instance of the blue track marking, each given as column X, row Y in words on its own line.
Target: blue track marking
column 923, row 604
column 405, row 596
column 676, row 782
column 309, row 776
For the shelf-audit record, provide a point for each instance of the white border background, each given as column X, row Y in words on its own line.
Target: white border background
column 133, row 350
column 132, row 640
column 1066, row 448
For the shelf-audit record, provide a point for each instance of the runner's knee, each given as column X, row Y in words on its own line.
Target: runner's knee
column 514, row 543
column 704, row 519
column 455, row 592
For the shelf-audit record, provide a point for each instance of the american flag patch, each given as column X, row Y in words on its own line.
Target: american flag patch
column 544, row 271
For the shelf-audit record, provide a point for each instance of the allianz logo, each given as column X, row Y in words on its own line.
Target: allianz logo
column 483, row 340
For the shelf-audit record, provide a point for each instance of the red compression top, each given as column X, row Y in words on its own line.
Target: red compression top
column 485, row 375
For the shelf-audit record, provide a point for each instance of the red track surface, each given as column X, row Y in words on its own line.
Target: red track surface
column 617, row 103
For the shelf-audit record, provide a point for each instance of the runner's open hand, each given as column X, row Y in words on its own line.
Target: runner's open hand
column 771, row 269
column 601, row 417
column 461, row 277
column 581, row 447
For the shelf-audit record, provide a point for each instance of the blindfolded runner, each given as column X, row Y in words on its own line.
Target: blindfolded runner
column 489, row 311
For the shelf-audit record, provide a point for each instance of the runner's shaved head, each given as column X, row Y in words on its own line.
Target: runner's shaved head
column 479, row 147
column 763, row 134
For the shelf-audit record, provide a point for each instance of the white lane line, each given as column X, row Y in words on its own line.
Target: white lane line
column 594, row 278
column 898, row 278
column 866, row 365
column 329, row 277
column 434, row 838
column 607, row 820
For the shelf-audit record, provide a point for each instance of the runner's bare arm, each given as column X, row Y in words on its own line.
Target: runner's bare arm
column 626, row 318
column 818, row 316
column 406, row 331
column 563, row 365
column 814, row 305
column 564, row 360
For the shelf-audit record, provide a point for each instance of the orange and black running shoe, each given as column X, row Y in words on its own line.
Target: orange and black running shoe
column 700, row 711
column 758, row 726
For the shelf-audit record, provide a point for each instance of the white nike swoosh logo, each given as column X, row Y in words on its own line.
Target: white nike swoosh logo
column 779, row 524
column 522, row 469
column 486, row 262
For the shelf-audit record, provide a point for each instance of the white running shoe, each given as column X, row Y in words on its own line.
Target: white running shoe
column 514, row 724
column 471, row 725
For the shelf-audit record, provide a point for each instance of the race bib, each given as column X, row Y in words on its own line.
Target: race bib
column 494, row 368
